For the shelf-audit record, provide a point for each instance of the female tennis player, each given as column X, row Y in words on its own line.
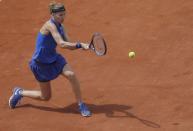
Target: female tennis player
column 46, row 64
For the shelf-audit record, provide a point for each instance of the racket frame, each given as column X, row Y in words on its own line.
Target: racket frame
column 92, row 47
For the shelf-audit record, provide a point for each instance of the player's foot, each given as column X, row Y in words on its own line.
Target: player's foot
column 15, row 98
column 84, row 110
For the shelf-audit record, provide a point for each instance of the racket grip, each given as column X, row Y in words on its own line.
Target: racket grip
column 78, row 45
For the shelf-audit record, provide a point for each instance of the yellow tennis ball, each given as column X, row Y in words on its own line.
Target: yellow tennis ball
column 131, row 54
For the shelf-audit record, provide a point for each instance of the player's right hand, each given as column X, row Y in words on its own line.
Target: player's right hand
column 85, row 46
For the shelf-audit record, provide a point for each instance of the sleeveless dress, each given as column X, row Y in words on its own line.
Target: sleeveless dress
column 46, row 64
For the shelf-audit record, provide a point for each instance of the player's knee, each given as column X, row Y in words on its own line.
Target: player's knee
column 70, row 75
column 46, row 98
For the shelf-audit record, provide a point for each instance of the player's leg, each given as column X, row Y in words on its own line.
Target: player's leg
column 70, row 75
column 43, row 94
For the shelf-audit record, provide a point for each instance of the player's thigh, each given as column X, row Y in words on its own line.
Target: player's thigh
column 45, row 88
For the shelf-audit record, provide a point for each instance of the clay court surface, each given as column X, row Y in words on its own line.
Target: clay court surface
column 152, row 92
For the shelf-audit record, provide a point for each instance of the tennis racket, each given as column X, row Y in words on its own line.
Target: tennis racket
column 98, row 44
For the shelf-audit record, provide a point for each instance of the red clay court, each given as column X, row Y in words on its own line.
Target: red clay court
column 152, row 92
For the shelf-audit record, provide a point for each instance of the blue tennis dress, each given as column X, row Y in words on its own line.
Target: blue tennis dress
column 46, row 64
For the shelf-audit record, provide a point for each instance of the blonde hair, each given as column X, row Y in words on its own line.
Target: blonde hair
column 56, row 7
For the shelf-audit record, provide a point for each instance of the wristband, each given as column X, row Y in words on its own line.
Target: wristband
column 78, row 45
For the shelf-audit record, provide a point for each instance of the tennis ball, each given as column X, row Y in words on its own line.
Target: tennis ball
column 131, row 54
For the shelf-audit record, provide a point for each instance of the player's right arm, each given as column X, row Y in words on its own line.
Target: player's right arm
column 57, row 37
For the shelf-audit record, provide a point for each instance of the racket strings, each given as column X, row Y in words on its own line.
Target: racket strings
column 99, row 45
